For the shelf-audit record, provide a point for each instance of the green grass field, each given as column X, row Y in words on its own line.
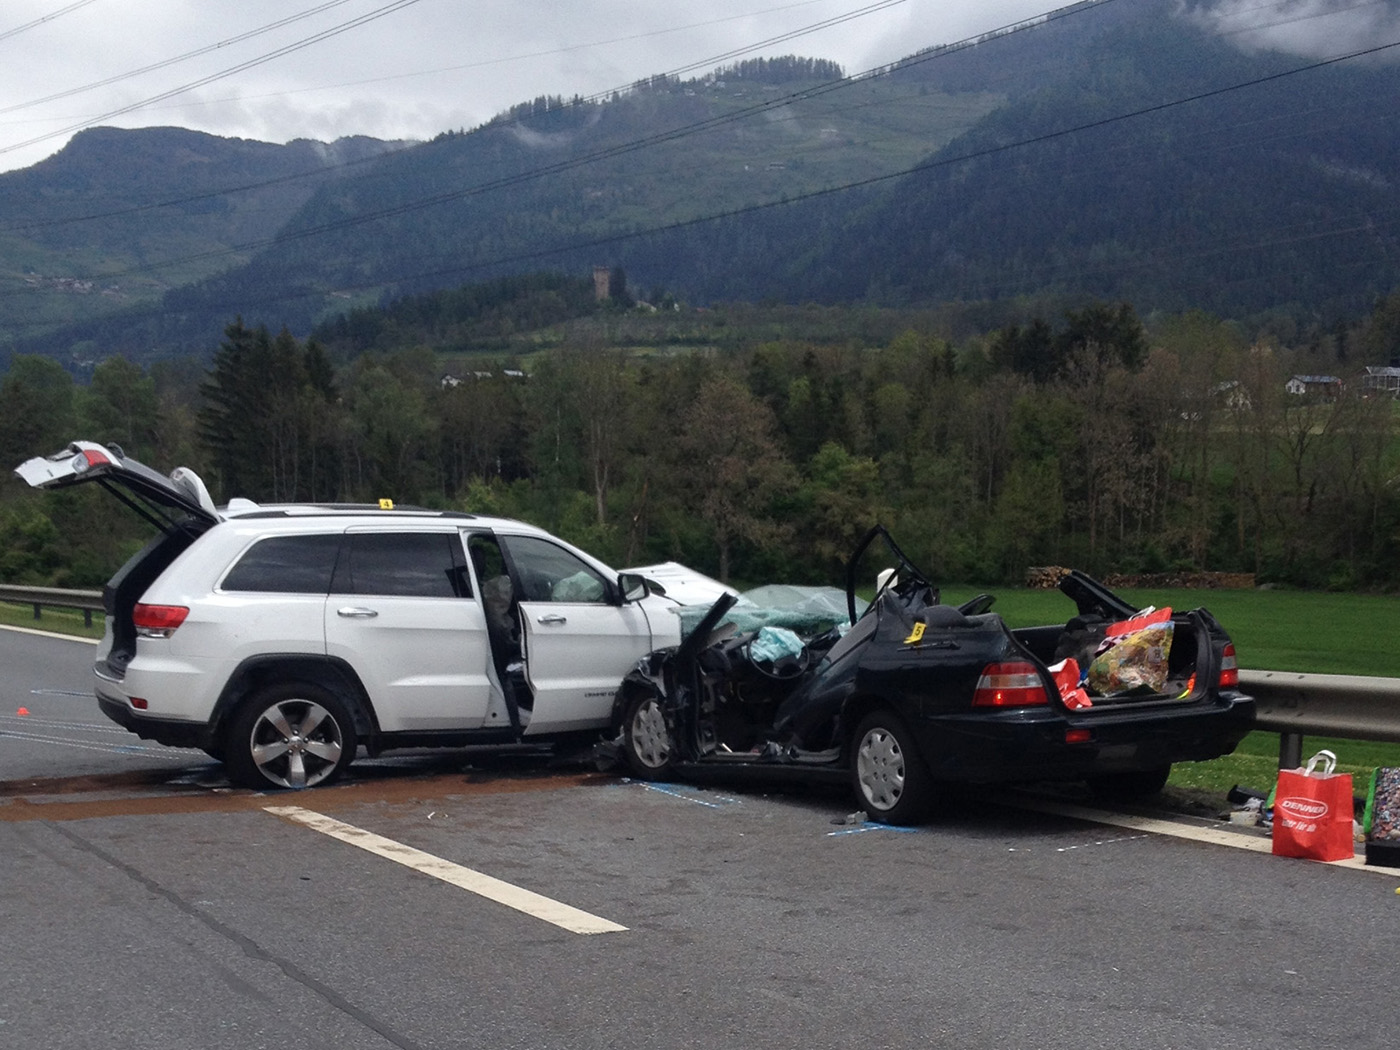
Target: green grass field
column 1273, row 630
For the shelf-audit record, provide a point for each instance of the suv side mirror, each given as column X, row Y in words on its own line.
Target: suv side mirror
column 633, row 586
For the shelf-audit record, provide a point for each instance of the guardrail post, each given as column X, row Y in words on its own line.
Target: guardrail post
column 1290, row 750
column 87, row 617
column 37, row 615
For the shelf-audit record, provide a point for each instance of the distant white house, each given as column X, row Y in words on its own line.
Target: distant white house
column 450, row 380
column 1381, row 379
column 1323, row 386
column 1233, row 394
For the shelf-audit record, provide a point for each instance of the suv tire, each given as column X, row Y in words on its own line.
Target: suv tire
column 289, row 735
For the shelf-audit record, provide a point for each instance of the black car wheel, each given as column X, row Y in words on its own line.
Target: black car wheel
column 891, row 782
column 1127, row 787
column 646, row 740
column 296, row 735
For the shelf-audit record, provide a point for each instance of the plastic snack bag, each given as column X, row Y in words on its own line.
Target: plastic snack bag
column 1135, row 660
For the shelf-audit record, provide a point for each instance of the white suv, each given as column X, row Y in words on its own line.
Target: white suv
column 280, row 638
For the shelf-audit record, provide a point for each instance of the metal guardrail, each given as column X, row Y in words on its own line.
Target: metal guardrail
column 88, row 602
column 1293, row 704
column 1289, row 703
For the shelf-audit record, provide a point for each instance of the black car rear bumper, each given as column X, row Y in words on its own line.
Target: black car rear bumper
column 1042, row 744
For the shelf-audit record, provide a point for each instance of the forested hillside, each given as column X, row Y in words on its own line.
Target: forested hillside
column 118, row 217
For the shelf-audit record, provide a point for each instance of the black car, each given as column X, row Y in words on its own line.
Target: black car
column 914, row 694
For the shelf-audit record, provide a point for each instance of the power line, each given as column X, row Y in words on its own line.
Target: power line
column 501, row 60
column 6, row 34
column 69, row 92
column 878, row 179
column 316, row 38
column 751, row 209
column 824, row 24
column 631, row 146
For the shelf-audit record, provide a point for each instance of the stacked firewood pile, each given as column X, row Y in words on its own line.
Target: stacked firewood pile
column 1235, row 581
column 1045, row 577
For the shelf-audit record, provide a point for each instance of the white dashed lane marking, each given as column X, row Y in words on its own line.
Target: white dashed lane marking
column 540, row 907
column 1213, row 836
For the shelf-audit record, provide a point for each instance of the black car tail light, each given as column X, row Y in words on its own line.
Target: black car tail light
column 1011, row 684
column 1229, row 668
column 157, row 621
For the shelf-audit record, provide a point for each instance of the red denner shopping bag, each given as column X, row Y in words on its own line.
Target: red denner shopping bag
column 1313, row 812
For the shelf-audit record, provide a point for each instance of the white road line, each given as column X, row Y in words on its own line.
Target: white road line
column 1213, row 836
column 111, row 749
column 35, row 721
column 552, row 911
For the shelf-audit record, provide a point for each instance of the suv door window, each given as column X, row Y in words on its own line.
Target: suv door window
column 549, row 573
column 404, row 564
column 286, row 565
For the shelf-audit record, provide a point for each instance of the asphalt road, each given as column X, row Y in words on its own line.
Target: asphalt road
column 147, row 904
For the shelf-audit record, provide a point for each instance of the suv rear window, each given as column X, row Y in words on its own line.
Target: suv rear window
column 286, row 565
column 404, row 564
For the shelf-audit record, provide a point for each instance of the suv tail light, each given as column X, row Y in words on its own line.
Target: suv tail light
column 1229, row 668
column 1012, row 684
column 89, row 457
column 158, row 621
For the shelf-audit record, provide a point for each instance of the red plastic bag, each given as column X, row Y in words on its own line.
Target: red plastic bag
column 1138, row 622
column 1066, row 675
column 1313, row 812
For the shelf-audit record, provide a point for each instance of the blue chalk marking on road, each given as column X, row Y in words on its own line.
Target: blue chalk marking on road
column 870, row 825
column 689, row 794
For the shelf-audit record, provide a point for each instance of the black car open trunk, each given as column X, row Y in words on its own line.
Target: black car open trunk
column 1190, row 667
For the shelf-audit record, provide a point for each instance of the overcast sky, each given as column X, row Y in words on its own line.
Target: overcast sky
column 282, row 69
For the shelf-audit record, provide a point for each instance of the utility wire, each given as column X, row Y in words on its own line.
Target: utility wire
column 68, row 93
column 751, row 209
column 1253, row 244
column 502, row 60
column 631, row 146
column 827, row 23
column 875, row 180
column 281, row 52
column 782, row 38
column 7, row 33
column 1325, row 13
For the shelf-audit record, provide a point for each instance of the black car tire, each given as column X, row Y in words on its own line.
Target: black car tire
column 1129, row 787
column 292, row 735
column 892, row 783
column 646, row 739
